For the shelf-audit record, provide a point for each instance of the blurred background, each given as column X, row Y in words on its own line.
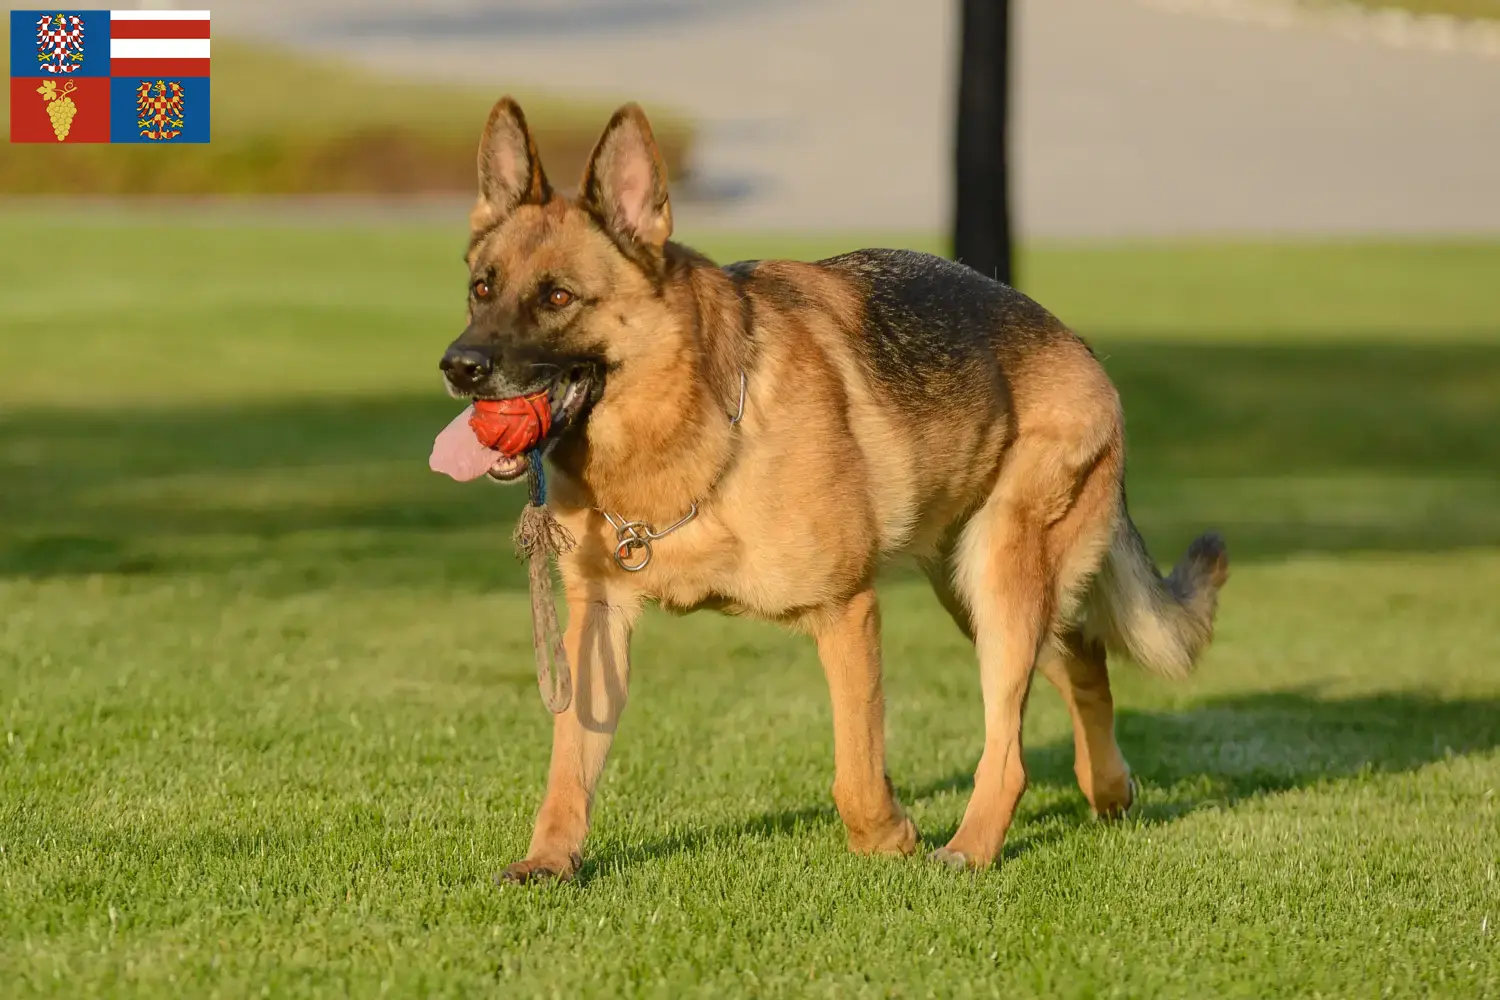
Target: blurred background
column 236, row 609
column 1131, row 117
column 1252, row 181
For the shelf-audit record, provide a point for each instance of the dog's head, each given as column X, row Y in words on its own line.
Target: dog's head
column 562, row 292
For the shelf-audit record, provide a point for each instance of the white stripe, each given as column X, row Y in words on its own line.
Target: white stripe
column 158, row 48
column 158, row 15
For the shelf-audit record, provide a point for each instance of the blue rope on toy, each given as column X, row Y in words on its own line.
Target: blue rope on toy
column 538, row 477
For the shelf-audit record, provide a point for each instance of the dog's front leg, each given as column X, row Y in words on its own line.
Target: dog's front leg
column 849, row 646
column 598, row 647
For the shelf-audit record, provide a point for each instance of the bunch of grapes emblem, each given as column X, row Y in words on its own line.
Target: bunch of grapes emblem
column 60, row 107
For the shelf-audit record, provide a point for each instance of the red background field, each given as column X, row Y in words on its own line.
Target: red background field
column 28, row 112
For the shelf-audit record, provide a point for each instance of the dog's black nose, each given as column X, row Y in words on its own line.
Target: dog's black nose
column 465, row 367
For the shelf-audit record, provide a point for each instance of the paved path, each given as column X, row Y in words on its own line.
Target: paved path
column 1131, row 120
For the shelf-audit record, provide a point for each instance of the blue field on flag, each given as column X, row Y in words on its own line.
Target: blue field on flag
column 159, row 110
column 59, row 44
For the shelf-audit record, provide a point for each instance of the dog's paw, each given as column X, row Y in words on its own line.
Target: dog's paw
column 949, row 858
column 533, row 870
column 1118, row 805
column 899, row 840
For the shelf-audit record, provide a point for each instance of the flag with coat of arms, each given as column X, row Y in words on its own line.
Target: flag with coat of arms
column 118, row 76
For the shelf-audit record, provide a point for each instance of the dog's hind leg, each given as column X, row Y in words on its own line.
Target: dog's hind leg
column 848, row 639
column 1076, row 666
column 598, row 647
column 1003, row 581
column 1019, row 566
column 939, row 570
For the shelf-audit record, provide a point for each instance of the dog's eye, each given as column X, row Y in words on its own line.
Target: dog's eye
column 481, row 289
column 559, row 297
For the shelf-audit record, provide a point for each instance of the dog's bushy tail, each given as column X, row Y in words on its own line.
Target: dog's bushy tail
column 1162, row 623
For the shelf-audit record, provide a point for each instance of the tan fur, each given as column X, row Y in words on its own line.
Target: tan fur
column 1011, row 499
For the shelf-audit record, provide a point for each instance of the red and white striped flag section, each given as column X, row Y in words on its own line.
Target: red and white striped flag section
column 158, row 43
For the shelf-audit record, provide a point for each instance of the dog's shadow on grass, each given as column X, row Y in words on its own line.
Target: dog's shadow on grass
column 1216, row 754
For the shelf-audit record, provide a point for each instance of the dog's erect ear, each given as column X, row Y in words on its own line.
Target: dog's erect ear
column 625, row 184
column 510, row 172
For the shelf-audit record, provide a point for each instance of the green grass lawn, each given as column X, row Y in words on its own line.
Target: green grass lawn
column 1474, row 10
column 270, row 721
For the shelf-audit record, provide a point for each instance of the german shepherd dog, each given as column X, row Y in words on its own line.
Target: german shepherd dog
column 760, row 438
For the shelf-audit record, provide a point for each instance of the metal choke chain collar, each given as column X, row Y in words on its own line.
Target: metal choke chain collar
column 633, row 537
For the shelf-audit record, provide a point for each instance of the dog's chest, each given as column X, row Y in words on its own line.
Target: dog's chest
column 698, row 566
column 709, row 564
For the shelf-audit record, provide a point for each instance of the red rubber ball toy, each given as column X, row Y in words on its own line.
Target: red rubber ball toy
column 511, row 426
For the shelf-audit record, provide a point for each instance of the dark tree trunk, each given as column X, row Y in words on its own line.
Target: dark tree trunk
column 981, row 222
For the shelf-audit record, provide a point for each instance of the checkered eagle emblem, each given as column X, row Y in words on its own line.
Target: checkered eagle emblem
column 59, row 42
column 159, row 109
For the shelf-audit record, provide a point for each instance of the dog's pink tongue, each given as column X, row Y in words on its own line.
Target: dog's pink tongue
column 458, row 453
